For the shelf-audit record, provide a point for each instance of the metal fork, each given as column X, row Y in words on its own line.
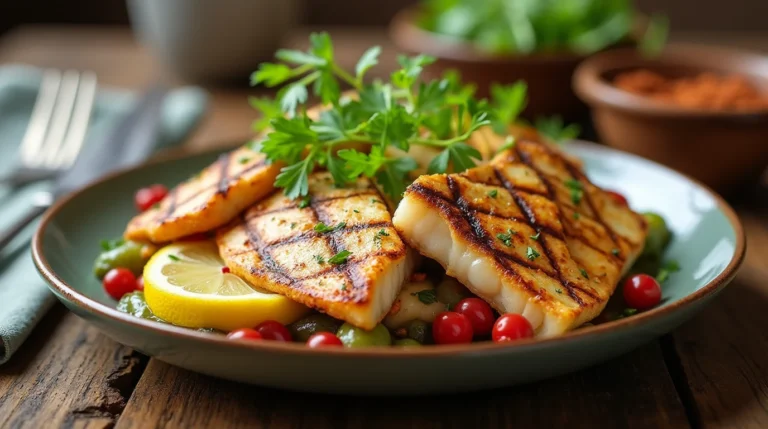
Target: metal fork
column 57, row 127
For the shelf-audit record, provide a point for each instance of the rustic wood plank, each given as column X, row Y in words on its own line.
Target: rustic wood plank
column 634, row 391
column 723, row 351
column 67, row 374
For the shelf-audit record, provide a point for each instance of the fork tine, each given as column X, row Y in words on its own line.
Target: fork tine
column 32, row 143
column 78, row 126
column 62, row 113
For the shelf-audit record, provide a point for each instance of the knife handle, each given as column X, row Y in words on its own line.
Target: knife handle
column 8, row 234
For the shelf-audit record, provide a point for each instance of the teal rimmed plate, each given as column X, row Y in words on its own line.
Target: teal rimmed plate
column 709, row 243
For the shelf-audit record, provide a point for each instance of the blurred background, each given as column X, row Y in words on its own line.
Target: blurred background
column 688, row 15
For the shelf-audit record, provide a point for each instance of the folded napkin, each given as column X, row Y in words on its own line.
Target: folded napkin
column 24, row 296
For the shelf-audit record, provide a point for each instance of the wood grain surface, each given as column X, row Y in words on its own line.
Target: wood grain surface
column 711, row 372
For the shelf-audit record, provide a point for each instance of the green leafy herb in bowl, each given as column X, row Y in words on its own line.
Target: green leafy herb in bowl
column 539, row 41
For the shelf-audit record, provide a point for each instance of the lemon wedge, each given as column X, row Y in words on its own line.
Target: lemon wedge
column 187, row 284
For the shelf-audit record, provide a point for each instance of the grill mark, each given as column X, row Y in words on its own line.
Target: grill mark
column 181, row 203
column 481, row 239
column 266, row 257
column 432, row 194
column 313, row 234
column 224, row 173
column 172, row 197
column 311, row 201
column 531, row 220
column 573, row 171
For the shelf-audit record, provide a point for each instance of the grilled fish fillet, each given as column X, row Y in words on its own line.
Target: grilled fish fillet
column 274, row 245
column 528, row 233
column 214, row 197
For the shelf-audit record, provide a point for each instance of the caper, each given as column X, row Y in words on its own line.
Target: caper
column 418, row 330
column 304, row 328
column 353, row 336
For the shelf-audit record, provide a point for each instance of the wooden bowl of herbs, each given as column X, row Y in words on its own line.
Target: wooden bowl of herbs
column 489, row 43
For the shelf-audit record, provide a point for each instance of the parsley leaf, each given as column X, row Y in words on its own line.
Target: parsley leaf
column 555, row 129
column 531, row 253
column 536, row 236
column 666, row 270
column 270, row 109
column 295, row 178
column 298, row 57
column 320, row 260
column 271, row 74
column 584, row 273
column 174, row 258
column 292, row 97
column 506, row 238
column 493, row 193
column 394, row 175
column 369, row 59
column 323, row 228
column 426, row 296
column 340, row 257
column 107, row 245
column 508, row 102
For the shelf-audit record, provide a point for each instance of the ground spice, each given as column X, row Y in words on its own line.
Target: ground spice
column 706, row 91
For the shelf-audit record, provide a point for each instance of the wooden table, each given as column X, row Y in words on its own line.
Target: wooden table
column 712, row 371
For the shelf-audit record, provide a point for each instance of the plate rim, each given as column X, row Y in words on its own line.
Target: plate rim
column 89, row 305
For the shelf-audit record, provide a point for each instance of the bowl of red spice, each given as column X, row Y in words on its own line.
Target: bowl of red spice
column 699, row 109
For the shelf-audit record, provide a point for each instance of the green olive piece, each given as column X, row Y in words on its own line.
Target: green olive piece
column 127, row 255
column 134, row 304
column 353, row 336
column 658, row 235
column 418, row 330
column 304, row 328
column 407, row 342
column 450, row 292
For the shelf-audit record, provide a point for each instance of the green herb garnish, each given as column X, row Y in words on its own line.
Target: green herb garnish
column 626, row 313
column 243, row 160
column 559, row 290
column 666, row 270
column 340, row 257
column 556, row 129
column 323, row 228
column 532, row 254
column 304, row 202
column 356, row 210
column 107, row 245
column 319, row 259
column 577, row 190
column 426, row 296
column 576, row 215
column 536, row 236
column 506, row 238
column 174, row 258
column 584, row 273
column 293, row 225
column 400, row 113
column 615, row 252
column 343, row 286
column 493, row 193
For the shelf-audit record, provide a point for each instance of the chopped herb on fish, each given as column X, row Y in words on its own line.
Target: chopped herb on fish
column 531, row 253
column 340, row 257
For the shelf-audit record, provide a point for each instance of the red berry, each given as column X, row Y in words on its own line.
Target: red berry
column 511, row 327
column 140, row 283
column 275, row 331
column 451, row 328
column 118, row 282
column 479, row 314
column 147, row 197
column 244, row 334
column 642, row 292
column 621, row 199
column 323, row 339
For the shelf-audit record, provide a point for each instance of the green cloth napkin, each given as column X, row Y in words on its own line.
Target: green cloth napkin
column 24, row 296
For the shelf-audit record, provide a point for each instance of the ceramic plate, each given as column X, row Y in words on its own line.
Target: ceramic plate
column 709, row 244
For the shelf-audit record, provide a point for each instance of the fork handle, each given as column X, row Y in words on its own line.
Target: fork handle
column 7, row 235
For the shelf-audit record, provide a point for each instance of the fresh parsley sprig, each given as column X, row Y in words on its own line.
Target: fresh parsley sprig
column 399, row 113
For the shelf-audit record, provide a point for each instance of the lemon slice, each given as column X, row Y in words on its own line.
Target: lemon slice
column 186, row 284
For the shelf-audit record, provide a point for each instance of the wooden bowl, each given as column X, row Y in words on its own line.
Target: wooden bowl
column 548, row 74
column 723, row 149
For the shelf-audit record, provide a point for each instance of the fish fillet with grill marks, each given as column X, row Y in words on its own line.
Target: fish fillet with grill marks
column 220, row 192
column 528, row 233
column 274, row 245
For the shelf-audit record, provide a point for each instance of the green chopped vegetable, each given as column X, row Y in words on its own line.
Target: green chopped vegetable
column 339, row 258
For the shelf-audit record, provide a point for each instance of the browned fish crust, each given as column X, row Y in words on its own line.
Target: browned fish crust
column 274, row 245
